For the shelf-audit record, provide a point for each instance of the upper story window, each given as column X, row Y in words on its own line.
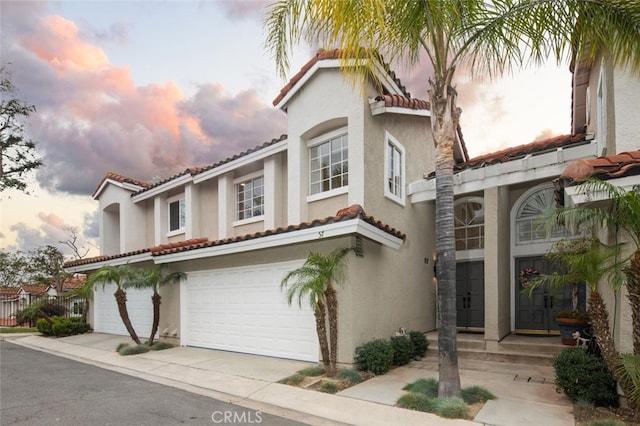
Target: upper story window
column 469, row 224
column 394, row 170
column 329, row 162
column 177, row 214
column 249, row 197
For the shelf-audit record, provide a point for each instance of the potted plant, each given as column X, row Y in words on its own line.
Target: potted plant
column 585, row 261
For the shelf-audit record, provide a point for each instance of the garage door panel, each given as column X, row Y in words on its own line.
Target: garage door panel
column 107, row 318
column 245, row 310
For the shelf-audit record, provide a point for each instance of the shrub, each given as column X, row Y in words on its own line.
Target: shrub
column 416, row 401
column 402, row 350
column 584, row 377
column 451, row 408
column 53, row 308
column 43, row 326
column 68, row 326
column 351, row 375
column 316, row 370
column 329, row 387
column 427, row 387
column 420, row 343
column 474, row 394
column 159, row 346
column 376, row 356
column 120, row 346
column 133, row 349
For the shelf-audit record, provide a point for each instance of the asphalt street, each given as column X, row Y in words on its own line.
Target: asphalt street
column 37, row 388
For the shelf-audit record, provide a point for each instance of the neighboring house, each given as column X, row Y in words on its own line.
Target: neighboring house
column 352, row 171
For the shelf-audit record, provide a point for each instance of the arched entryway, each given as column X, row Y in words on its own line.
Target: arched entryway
column 534, row 314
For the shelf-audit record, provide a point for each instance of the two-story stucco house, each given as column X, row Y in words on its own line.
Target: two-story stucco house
column 354, row 170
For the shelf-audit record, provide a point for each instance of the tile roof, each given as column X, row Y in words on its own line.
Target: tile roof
column 34, row 288
column 353, row 212
column 120, row 178
column 8, row 293
column 522, row 151
column 403, row 102
column 200, row 169
column 327, row 54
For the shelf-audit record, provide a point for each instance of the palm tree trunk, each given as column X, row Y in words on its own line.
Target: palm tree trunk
column 444, row 123
column 601, row 330
column 332, row 314
column 632, row 272
column 121, row 300
column 321, row 330
column 155, row 299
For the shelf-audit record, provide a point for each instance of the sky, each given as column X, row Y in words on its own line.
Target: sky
column 149, row 88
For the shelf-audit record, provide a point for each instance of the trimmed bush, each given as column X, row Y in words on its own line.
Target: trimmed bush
column 416, row 401
column 376, row 356
column 43, row 326
column 584, row 377
column 62, row 326
column 314, row 371
column 351, row 375
column 159, row 346
column 133, row 349
column 427, row 387
column 402, row 350
column 474, row 394
column 420, row 343
column 451, row 408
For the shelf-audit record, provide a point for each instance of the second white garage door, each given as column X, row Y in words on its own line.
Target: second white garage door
column 244, row 310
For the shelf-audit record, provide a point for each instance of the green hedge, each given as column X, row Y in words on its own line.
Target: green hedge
column 60, row 326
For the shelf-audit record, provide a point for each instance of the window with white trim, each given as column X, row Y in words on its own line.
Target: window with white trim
column 394, row 169
column 329, row 163
column 177, row 214
column 530, row 226
column 250, row 198
column 469, row 224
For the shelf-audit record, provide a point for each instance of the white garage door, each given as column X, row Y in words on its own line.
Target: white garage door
column 107, row 319
column 244, row 310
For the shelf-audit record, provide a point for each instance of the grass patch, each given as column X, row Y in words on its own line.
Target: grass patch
column 293, row 380
column 159, row 346
column 427, row 387
column 604, row 422
column 125, row 349
column 350, row 375
column 329, row 387
column 314, row 371
column 10, row 330
column 422, row 395
column 475, row 394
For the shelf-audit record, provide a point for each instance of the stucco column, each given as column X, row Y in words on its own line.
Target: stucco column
column 497, row 297
column 226, row 210
column 272, row 191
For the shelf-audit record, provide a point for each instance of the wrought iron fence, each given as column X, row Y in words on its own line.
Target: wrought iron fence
column 10, row 308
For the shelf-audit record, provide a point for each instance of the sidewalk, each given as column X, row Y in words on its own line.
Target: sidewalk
column 251, row 381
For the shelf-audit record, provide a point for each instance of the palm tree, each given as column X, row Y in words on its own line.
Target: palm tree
column 154, row 279
column 315, row 279
column 489, row 36
column 118, row 275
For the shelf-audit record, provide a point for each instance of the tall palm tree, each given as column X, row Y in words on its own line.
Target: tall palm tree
column 118, row 275
column 154, row 279
column 315, row 279
column 489, row 36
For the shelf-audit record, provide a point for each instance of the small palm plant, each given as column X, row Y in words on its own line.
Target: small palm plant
column 315, row 279
column 154, row 279
column 119, row 275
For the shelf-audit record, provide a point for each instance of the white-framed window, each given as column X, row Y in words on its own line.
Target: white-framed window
column 394, row 172
column 249, row 196
column 469, row 223
column 329, row 162
column 530, row 226
column 177, row 214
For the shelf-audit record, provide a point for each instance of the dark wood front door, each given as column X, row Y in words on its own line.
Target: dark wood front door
column 535, row 314
column 470, row 296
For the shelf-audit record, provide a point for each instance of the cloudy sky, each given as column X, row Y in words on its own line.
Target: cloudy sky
column 149, row 88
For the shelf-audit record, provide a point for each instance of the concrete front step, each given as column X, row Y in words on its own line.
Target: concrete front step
column 531, row 350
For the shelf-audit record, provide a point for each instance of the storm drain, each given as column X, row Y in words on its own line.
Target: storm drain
column 530, row 379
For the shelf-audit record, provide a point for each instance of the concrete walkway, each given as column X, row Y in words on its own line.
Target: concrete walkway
column 526, row 395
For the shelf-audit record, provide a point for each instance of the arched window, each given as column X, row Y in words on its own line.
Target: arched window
column 469, row 224
column 530, row 227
